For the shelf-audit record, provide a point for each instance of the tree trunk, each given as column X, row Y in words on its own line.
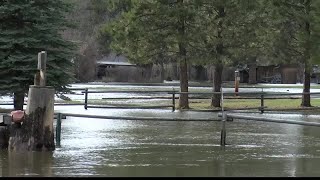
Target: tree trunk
column 200, row 73
column 217, row 81
column 36, row 131
column 175, row 74
column 162, row 72
column 18, row 100
column 306, row 89
column 147, row 69
column 183, row 100
column 307, row 64
column 217, row 75
column 252, row 74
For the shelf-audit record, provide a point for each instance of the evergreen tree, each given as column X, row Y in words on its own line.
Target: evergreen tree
column 28, row 27
column 229, row 35
column 299, row 36
column 157, row 30
column 189, row 32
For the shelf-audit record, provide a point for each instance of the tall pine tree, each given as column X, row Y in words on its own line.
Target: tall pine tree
column 157, row 30
column 299, row 37
column 228, row 35
column 26, row 28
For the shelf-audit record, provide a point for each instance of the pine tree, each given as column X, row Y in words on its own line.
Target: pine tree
column 188, row 32
column 26, row 28
column 229, row 35
column 157, row 30
column 299, row 36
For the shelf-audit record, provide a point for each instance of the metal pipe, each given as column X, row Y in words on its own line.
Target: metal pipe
column 223, row 122
column 130, row 107
column 236, row 82
column 56, row 116
column 152, row 97
column 249, row 93
column 69, row 104
column 139, row 92
column 58, row 130
column 136, row 118
column 262, row 104
column 251, row 118
column 86, row 99
column 173, row 101
column 168, row 92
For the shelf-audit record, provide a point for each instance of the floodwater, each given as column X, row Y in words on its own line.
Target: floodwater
column 100, row 147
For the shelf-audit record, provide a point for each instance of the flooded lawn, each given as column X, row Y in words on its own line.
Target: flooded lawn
column 101, row 147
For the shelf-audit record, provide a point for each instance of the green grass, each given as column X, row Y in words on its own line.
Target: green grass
column 202, row 104
column 250, row 103
column 198, row 104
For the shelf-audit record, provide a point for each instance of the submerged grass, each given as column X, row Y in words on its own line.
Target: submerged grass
column 197, row 104
column 251, row 103
column 205, row 104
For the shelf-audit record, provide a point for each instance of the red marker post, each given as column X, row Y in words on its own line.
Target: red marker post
column 236, row 82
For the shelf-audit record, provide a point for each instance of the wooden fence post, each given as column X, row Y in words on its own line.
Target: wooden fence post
column 223, row 123
column 236, row 82
column 58, row 130
column 36, row 131
column 42, row 61
column 173, row 101
column 262, row 104
column 86, row 98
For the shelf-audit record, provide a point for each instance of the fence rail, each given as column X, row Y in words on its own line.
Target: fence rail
column 274, row 120
column 262, row 97
column 225, row 116
column 130, row 107
column 224, row 119
column 132, row 118
column 173, row 95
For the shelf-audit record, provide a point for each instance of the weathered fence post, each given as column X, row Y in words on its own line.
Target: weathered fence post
column 223, row 123
column 262, row 104
column 42, row 67
column 86, row 98
column 35, row 133
column 58, row 130
column 173, row 101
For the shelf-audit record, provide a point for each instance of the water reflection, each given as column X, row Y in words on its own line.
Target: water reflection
column 26, row 163
column 98, row 147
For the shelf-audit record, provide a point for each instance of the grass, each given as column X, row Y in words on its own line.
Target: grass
column 205, row 104
column 201, row 104
column 250, row 103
